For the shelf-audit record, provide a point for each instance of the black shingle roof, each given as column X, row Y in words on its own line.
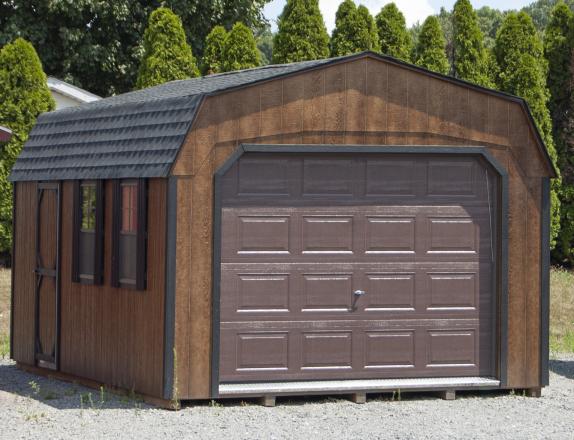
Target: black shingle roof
column 139, row 134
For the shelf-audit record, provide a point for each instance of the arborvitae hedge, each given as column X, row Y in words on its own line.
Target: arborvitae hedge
column 301, row 33
column 239, row 49
column 24, row 94
column 470, row 58
column 213, row 52
column 395, row 39
column 368, row 34
column 558, row 46
column 167, row 56
column 430, row 49
column 523, row 68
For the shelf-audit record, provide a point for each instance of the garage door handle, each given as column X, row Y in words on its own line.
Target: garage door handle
column 359, row 292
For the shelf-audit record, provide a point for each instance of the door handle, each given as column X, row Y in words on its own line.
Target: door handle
column 359, row 292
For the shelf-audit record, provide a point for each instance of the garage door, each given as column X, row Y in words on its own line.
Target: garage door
column 356, row 266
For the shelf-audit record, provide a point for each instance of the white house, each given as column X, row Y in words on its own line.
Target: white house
column 67, row 95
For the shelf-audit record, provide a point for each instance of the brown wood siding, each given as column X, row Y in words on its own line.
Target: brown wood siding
column 363, row 101
column 23, row 266
column 110, row 335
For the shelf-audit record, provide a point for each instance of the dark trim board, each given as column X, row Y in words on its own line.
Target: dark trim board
column 545, row 283
column 170, row 271
column 501, row 273
column 12, row 271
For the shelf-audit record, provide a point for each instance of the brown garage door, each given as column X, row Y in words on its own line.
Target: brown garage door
column 356, row 266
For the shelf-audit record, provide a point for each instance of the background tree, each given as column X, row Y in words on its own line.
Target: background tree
column 167, row 56
column 430, row 49
column 520, row 56
column 240, row 50
column 558, row 45
column 301, row 33
column 470, row 58
column 393, row 35
column 97, row 45
column 24, row 94
column 369, row 36
column 213, row 53
column 265, row 45
column 489, row 20
column 540, row 11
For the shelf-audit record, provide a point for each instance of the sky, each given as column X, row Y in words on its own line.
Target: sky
column 414, row 10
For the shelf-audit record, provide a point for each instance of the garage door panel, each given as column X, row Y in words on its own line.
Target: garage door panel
column 413, row 232
column 389, row 349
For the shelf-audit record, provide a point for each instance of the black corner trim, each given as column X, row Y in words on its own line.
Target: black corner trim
column 76, row 232
column 141, row 262
column 170, row 270
column 501, row 274
column 99, row 236
column 545, row 283
column 12, row 271
column 115, row 276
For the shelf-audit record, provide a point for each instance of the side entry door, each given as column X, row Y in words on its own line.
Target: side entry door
column 47, row 305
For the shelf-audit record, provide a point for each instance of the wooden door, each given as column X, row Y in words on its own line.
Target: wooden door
column 47, row 317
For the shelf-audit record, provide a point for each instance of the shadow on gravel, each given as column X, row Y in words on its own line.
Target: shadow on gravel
column 563, row 368
column 59, row 394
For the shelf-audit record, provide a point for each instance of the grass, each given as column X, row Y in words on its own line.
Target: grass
column 561, row 311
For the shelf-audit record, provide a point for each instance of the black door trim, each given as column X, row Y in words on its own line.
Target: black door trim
column 501, row 274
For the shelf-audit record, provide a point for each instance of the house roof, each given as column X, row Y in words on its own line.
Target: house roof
column 71, row 91
column 138, row 134
column 5, row 134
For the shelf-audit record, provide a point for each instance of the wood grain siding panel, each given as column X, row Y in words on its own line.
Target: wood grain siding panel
column 314, row 108
column 295, row 110
column 200, row 304
column 113, row 335
column 249, row 117
column 292, row 115
column 376, row 102
column 335, row 103
column 24, row 278
column 356, row 120
column 183, row 281
column 517, row 267
column 532, row 293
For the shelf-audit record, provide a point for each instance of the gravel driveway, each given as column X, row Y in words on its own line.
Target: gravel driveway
column 34, row 407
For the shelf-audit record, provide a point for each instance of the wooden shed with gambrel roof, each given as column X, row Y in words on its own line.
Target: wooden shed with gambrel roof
column 349, row 225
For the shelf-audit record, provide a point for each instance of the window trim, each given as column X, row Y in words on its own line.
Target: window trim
column 98, row 269
column 141, row 234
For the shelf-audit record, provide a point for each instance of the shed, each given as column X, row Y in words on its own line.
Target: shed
column 348, row 225
column 5, row 134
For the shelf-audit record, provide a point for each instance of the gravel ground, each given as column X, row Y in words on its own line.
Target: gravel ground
column 34, row 407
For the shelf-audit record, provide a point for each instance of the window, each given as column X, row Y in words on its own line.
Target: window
column 129, row 243
column 87, row 263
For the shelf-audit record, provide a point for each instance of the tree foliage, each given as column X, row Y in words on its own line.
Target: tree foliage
column 301, row 33
column 265, row 45
column 541, row 10
column 355, row 30
column 96, row 44
column 167, row 56
column 213, row 53
column 24, row 94
column 470, row 58
column 239, row 49
column 430, row 49
column 520, row 56
column 558, row 46
column 395, row 39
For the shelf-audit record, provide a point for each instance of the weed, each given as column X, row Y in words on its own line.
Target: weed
column 215, row 404
column 34, row 417
column 35, row 387
column 86, row 401
column 175, row 402
column 50, row 395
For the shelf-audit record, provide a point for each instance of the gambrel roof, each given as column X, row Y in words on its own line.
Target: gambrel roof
column 139, row 134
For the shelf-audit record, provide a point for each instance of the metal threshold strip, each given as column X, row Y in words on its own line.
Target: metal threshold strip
column 368, row 385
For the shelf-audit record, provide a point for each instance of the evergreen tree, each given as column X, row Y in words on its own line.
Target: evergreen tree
column 301, row 33
column 167, row 56
column 395, row 39
column 369, row 38
column 470, row 58
column 520, row 56
column 213, row 52
column 240, row 50
column 24, row 94
column 430, row 49
column 558, row 45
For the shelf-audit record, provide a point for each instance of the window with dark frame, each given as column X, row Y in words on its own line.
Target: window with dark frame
column 88, row 236
column 129, row 231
